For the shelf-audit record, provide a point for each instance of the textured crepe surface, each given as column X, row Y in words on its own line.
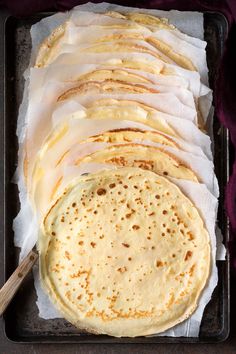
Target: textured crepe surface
column 107, row 85
column 50, row 48
column 124, row 252
column 143, row 156
column 113, row 74
column 143, row 19
column 132, row 134
column 129, row 110
column 48, row 174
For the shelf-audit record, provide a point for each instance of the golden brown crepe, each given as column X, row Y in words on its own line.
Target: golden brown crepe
column 129, row 135
column 105, row 86
column 124, row 253
column 142, row 156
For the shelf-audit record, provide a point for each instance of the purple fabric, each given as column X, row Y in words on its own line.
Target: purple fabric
column 225, row 83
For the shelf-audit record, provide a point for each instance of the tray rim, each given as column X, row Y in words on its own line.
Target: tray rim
column 222, row 336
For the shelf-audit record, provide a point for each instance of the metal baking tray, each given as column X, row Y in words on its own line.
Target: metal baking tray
column 22, row 323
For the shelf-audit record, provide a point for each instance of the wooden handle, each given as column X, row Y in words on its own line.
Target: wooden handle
column 10, row 288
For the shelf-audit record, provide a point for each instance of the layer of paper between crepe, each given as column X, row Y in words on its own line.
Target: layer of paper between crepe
column 189, row 22
column 80, row 129
column 74, row 109
column 122, row 46
column 57, row 20
column 75, row 131
column 77, row 35
column 88, row 18
column 83, row 128
column 33, row 115
column 200, row 91
column 207, row 206
column 73, row 72
column 70, row 56
column 39, row 78
column 79, row 21
column 43, row 97
column 44, row 28
column 40, row 110
column 178, row 42
column 53, row 172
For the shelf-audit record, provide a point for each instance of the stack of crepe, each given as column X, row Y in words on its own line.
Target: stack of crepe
column 115, row 143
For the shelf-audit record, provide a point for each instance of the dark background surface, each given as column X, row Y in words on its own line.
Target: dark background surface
column 7, row 347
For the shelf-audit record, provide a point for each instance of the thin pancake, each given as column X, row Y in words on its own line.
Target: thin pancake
column 49, row 46
column 49, row 174
column 129, row 110
column 142, row 156
column 130, row 135
column 124, row 46
column 124, row 253
column 113, row 74
column 164, row 48
column 155, row 68
column 143, row 19
column 105, row 86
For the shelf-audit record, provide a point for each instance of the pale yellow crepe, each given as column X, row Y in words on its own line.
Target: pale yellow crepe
column 124, row 253
column 143, row 19
column 105, row 86
column 153, row 67
column 48, row 175
column 113, row 74
column 125, row 46
column 114, row 42
column 164, row 48
column 144, row 156
column 128, row 110
column 47, row 49
column 125, row 110
column 129, row 135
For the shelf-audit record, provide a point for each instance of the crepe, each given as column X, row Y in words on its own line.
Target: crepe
column 143, row 19
column 62, row 152
column 113, row 74
column 124, row 253
column 120, row 81
column 143, row 156
column 130, row 135
column 136, row 46
column 128, row 108
column 50, row 48
column 165, row 51
column 139, row 61
column 47, row 49
column 137, row 113
column 142, row 111
column 137, row 38
column 108, row 85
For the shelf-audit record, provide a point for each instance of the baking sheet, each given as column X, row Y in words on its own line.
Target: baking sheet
column 55, row 326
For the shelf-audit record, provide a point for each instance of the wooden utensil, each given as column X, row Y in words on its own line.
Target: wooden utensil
column 10, row 288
